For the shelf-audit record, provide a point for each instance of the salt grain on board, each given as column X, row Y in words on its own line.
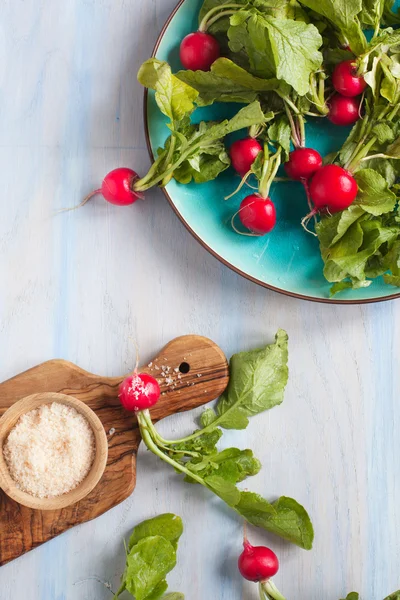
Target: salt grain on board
column 50, row 450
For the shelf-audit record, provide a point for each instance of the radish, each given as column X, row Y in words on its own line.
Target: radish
column 343, row 111
column 333, row 189
column 139, row 392
column 346, row 81
column 257, row 563
column 257, row 214
column 117, row 188
column 243, row 153
column 198, row 51
column 303, row 163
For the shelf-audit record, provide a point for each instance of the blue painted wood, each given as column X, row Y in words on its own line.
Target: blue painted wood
column 83, row 284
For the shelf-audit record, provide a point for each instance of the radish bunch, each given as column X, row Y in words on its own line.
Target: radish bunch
column 330, row 188
column 344, row 106
column 257, row 212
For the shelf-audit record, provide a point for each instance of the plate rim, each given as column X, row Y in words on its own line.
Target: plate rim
column 197, row 237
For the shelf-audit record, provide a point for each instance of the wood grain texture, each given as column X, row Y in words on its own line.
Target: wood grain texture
column 84, row 285
column 22, row 528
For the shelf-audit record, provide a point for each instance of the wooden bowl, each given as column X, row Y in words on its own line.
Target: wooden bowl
column 9, row 420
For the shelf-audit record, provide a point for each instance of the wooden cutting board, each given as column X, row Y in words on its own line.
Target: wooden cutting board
column 191, row 370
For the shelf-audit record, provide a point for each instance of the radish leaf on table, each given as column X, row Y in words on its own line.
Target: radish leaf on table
column 355, row 596
column 257, row 383
column 231, row 464
column 284, row 517
column 151, row 555
column 168, row 525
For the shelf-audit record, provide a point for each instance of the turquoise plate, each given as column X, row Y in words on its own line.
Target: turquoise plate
column 288, row 259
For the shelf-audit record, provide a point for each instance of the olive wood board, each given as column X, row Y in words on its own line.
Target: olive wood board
column 191, row 370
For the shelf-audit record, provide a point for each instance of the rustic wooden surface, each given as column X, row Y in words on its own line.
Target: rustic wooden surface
column 22, row 528
column 84, row 285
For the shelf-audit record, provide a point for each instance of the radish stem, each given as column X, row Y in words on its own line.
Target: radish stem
column 241, row 184
column 271, row 591
column 148, row 440
column 206, row 23
column 295, row 137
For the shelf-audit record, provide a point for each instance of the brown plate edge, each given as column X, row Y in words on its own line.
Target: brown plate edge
column 206, row 246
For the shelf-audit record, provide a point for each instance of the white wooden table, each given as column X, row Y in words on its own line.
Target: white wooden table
column 81, row 285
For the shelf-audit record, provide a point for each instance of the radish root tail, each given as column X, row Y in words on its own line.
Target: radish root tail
column 305, row 221
column 236, row 230
column 84, row 201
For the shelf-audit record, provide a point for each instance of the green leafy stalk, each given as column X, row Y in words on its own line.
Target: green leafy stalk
column 355, row 596
column 269, row 171
column 216, row 13
column 269, row 591
column 257, row 383
column 193, row 151
column 150, row 556
column 317, row 92
column 363, row 242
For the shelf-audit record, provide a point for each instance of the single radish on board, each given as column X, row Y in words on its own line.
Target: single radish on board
column 303, row 163
column 260, row 564
column 198, row 51
column 117, row 188
column 346, row 80
column 333, row 189
column 257, row 214
column 139, row 392
column 343, row 111
column 243, row 153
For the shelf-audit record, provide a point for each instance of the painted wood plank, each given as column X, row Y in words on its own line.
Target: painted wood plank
column 83, row 285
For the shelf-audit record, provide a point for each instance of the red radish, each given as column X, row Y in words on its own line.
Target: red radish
column 257, row 563
column 139, row 391
column 333, row 188
column 343, row 111
column 257, row 214
column 303, row 163
column 243, row 153
column 346, row 81
column 198, row 51
column 117, row 188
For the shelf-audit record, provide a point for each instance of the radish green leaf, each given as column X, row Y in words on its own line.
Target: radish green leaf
column 257, row 383
column 168, row 525
column 147, row 564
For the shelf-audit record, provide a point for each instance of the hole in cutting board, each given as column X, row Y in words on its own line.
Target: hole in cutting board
column 184, row 367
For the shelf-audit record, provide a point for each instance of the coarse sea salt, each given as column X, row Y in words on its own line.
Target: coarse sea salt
column 50, row 450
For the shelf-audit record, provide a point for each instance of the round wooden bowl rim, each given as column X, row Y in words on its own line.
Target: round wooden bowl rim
column 8, row 421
